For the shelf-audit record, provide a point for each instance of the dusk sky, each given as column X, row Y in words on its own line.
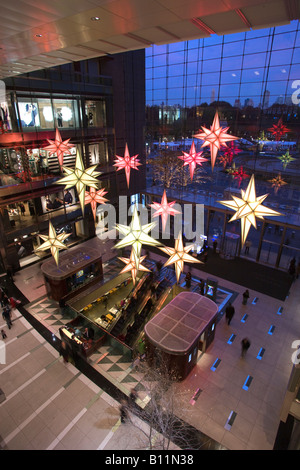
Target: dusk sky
column 242, row 66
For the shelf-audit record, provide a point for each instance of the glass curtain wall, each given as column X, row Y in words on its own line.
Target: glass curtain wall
column 253, row 80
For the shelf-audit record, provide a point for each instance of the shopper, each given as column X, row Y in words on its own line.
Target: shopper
column 246, row 296
column 123, row 411
column 245, row 343
column 4, row 336
column 229, row 312
column 6, row 314
column 64, row 352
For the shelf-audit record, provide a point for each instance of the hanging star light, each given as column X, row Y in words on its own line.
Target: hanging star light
column 277, row 182
column 215, row 138
column 192, row 159
column 80, row 178
column 248, row 208
column 239, row 175
column 93, row 197
column 164, row 209
column 135, row 235
column 286, row 159
column 127, row 163
column 59, row 147
column 228, row 153
column 178, row 255
column 53, row 241
column 131, row 266
column 279, row 129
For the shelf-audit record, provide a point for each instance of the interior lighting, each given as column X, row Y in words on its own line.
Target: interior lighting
column 215, row 138
column 248, row 208
column 80, row 177
column 178, row 255
column 127, row 163
column 53, row 241
column 164, row 209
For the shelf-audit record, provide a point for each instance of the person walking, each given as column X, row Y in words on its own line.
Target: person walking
column 229, row 312
column 245, row 343
column 246, row 296
column 123, row 411
column 6, row 314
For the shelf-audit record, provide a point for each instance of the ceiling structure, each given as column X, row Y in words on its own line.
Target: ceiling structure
column 37, row 35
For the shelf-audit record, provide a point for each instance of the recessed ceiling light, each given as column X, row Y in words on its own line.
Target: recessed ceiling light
column 256, row 72
column 95, row 18
column 38, row 35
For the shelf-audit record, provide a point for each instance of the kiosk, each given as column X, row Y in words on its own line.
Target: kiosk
column 178, row 331
column 79, row 266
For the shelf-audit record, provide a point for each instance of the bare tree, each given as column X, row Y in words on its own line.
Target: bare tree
column 169, row 170
column 163, row 430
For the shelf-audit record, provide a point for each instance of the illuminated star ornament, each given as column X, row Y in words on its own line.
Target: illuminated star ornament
column 286, row 159
column 164, row 209
column 279, row 129
column 53, row 241
column 192, row 159
column 215, row 138
column 277, row 182
column 80, row 178
column 59, row 147
column 136, row 235
column 248, row 208
column 239, row 175
column 228, row 153
column 127, row 163
column 131, row 266
column 178, row 255
column 93, row 197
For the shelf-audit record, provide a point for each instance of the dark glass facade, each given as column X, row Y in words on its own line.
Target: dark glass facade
column 253, row 80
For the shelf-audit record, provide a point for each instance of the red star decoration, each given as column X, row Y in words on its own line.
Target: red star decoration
column 215, row 137
column 239, row 175
column 59, row 147
column 192, row 158
column 127, row 163
column 279, row 129
column 93, row 197
column 228, row 153
column 164, row 208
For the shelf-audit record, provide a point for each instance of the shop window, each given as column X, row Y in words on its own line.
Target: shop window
column 98, row 154
column 95, row 113
column 64, row 116
column 5, row 123
column 28, row 113
column 46, row 113
column 11, row 167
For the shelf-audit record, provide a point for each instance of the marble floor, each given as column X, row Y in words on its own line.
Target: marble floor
column 234, row 400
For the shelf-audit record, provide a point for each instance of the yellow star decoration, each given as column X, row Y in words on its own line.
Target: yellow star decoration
column 131, row 266
column 248, row 208
column 53, row 242
column 178, row 255
column 135, row 235
column 80, row 178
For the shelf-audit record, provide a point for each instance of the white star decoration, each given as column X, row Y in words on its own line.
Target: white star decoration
column 135, row 235
column 164, row 208
column 80, row 178
column 247, row 208
column 179, row 255
column 215, row 137
column 131, row 266
column 53, row 242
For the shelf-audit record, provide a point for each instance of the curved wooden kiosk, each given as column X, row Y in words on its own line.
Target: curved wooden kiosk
column 78, row 267
column 178, row 331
